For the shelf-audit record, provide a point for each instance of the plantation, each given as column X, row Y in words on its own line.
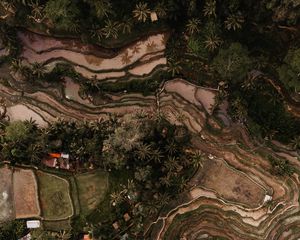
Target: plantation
column 172, row 119
column 92, row 188
column 54, row 196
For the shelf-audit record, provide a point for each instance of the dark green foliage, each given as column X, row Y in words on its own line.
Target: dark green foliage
column 290, row 70
column 12, row 230
column 22, row 143
column 62, row 13
column 233, row 63
column 281, row 167
column 263, row 105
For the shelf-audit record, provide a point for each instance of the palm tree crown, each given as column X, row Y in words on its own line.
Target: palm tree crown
column 193, row 26
column 141, row 12
column 234, row 22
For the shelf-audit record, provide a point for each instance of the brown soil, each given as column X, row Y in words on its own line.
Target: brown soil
column 6, row 206
column 229, row 184
column 25, row 194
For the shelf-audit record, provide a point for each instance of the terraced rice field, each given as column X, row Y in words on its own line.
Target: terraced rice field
column 91, row 189
column 25, row 194
column 137, row 60
column 225, row 197
column 230, row 184
column 54, row 196
column 6, row 194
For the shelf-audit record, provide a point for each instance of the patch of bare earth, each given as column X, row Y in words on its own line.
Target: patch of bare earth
column 6, row 203
column 229, row 184
column 25, row 194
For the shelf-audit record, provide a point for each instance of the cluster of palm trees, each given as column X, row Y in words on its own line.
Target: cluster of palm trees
column 32, row 72
column 159, row 160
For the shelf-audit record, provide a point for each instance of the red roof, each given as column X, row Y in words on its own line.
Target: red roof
column 55, row 155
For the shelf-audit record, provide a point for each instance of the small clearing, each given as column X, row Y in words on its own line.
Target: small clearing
column 92, row 188
column 6, row 203
column 55, row 200
column 25, row 194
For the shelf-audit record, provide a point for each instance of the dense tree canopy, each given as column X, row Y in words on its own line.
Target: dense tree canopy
column 289, row 72
column 233, row 63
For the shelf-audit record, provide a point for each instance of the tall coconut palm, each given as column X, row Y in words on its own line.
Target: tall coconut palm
column 212, row 42
column 126, row 25
column 63, row 235
column 9, row 7
column 171, row 147
column 174, row 67
column 116, row 198
column 143, row 151
column 156, row 156
column 36, row 11
column 17, row 66
column 141, row 12
column 102, row 7
column 160, row 10
column 210, row 8
column 110, row 29
column 165, row 181
column 295, row 143
column 197, row 159
column 234, row 22
column 38, row 69
column 193, row 26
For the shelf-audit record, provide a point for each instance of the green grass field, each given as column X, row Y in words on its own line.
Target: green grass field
column 92, row 188
column 54, row 196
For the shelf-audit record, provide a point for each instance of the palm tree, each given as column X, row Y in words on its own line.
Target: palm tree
column 141, row 12
column 36, row 11
column 193, row 26
column 174, row 67
column 171, row 147
column 116, row 198
column 234, row 22
column 210, row 8
column 165, row 181
column 295, row 143
column 212, row 42
column 110, row 29
column 63, row 235
column 101, row 7
column 143, row 151
column 152, row 209
column 126, row 25
column 197, row 159
column 9, row 7
column 160, row 10
column 38, row 69
column 156, row 155
column 172, row 165
column 17, row 66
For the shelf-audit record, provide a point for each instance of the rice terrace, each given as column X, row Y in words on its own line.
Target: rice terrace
column 149, row 120
column 46, row 196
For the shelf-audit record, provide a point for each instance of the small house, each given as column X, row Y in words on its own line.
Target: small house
column 126, row 217
column 87, row 237
column 116, row 225
column 26, row 237
column 153, row 16
column 33, row 224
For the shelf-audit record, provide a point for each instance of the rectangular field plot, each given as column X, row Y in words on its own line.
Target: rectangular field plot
column 6, row 201
column 57, row 225
column 54, row 195
column 25, row 193
column 91, row 188
column 230, row 184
